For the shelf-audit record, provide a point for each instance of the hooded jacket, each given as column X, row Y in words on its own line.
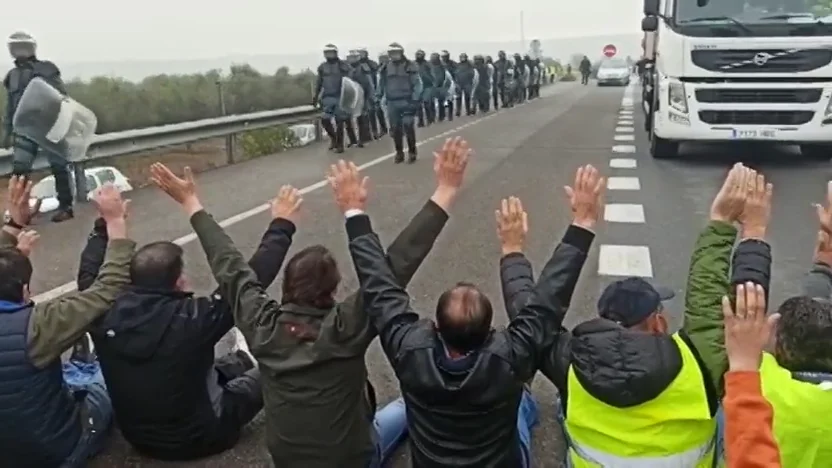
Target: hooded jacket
column 156, row 349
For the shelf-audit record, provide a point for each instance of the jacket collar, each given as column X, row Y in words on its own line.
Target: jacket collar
column 7, row 307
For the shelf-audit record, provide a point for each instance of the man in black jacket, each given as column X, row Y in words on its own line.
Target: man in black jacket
column 172, row 399
column 462, row 382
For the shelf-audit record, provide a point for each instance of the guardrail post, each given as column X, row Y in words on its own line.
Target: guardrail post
column 80, row 182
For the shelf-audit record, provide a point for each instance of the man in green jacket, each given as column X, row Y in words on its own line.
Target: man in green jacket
column 320, row 407
column 51, row 416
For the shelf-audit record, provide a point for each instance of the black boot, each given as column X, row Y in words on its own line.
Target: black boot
column 326, row 124
column 373, row 122
column 339, row 137
column 420, row 115
column 398, row 144
column 363, row 130
column 411, row 144
column 351, row 135
column 382, row 123
column 450, row 111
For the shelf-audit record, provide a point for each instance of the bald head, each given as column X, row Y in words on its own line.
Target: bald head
column 463, row 317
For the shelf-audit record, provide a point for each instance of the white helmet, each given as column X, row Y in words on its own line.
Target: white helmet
column 22, row 45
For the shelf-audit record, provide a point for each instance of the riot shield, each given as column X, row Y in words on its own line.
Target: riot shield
column 352, row 97
column 491, row 81
column 476, row 81
column 526, row 75
column 57, row 123
column 450, row 94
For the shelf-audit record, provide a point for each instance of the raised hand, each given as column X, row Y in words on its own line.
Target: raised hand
column 182, row 190
column 26, row 241
column 756, row 212
column 747, row 329
column 586, row 196
column 287, row 204
column 110, row 205
column 512, row 225
column 825, row 212
column 450, row 162
column 17, row 200
column 823, row 248
column 348, row 186
column 730, row 201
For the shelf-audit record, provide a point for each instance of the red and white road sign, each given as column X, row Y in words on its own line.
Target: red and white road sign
column 610, row 50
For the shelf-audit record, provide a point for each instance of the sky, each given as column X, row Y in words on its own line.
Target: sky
column 104, row 30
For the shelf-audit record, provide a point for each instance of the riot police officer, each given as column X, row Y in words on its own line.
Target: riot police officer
column 363, row 75
column 495, row 89
column 443, row 86
column 401, row 88
column 23, row 48
column 482, row 88
column 328, row 90
column 426, row 109
column 465, row 81
column 378, row 126
column 500, row 68
column 451, row 65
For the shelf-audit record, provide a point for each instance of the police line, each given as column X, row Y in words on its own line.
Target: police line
column 127, row 142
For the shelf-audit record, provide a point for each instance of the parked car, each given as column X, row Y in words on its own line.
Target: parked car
column 45, row 191
column 305, row 133
column 614, row 71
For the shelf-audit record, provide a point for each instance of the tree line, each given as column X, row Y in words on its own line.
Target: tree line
column 121, row 104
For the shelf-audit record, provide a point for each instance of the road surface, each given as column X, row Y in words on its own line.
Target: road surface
column 655, row 209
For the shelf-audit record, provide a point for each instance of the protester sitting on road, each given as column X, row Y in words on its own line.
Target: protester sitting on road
column 464, row 384
column 159, row 339
column 320, row 405
column 656, row 389
column 51, row 418
column 748, row 416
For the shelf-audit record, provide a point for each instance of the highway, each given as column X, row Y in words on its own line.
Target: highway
column 654, row 211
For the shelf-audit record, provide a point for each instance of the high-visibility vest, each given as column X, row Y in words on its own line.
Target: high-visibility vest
column 801, row 416
column 675, row 429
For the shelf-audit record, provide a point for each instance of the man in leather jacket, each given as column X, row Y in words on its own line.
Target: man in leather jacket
column 464, row 384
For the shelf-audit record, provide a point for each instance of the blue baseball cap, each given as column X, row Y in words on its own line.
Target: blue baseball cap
column 630, row 301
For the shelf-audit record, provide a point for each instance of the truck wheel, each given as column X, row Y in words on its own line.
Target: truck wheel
column 819, row 152
column 661, row 148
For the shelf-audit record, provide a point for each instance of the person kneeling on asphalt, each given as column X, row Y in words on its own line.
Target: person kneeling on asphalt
column 465, row 385
column 50, row 417
column 173, row 399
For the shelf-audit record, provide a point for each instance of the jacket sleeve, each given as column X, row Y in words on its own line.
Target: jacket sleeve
column 52, row 74
column 516, row 281
column 386, row 301
column 405, row 255
column 416, row 83
column 8, row 112
column 818, row 282
column 534, row 328
column 707, row 282
column 266, row 262
column 752, row 263
column 55, row 325
column 381, row 89
column 749, row 434
column 319, row 83
column 252, row 308
column 92, row 257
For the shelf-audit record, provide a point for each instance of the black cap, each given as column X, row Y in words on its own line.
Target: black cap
column 631, row 300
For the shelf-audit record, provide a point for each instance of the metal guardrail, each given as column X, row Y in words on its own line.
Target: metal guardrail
column 136, row 141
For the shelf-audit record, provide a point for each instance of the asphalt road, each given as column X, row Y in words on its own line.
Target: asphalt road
column 531, row 151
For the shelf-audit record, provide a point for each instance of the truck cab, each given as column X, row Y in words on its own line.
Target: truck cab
column 738, row 71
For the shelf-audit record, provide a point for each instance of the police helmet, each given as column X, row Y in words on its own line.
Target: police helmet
column 22, row 45
column 420, row 53
column 445, row 54
column 463, row 56
column 479, row 57
column 434, row 56
column 395, row 47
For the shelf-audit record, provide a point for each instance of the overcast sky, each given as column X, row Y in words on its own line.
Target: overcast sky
column 101, row 30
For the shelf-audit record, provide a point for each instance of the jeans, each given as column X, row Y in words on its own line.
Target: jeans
column 390, row 425
column 86, row 380
column 242, row 392
column 24, row 154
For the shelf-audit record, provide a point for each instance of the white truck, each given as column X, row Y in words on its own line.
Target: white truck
column 738, row 70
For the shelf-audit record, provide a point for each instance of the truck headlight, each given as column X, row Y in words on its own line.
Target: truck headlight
column 676, row 97
column 828, row 107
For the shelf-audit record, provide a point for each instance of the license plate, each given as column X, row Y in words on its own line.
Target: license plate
column 763, row 134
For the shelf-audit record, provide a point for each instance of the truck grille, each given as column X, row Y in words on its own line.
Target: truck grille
column 761, row 61
column 770, row 96
column 727, row 117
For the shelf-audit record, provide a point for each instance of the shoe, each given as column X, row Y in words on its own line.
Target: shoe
column 399, row 158
column 83, row 350
column 63, row 214
column 411, row 157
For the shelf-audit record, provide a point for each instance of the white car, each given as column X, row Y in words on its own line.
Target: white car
column 45, row 191
column 614, row 71
column 305, row 133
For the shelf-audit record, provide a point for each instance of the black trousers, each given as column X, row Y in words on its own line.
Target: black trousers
column 242, row 396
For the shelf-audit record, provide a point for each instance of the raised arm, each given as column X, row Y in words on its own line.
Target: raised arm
column 818, row 280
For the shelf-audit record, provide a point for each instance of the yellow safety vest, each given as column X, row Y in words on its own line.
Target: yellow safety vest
column 675, row 429
column 801, row 416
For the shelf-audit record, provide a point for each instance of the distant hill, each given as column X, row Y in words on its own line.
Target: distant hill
column 560, row 48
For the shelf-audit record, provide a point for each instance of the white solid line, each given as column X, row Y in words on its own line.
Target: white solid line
column 625, row 260
column 623, row 163
column 623, row 183
column 187, row 238
column 624, row 129
column 624, row 138
column 624, row 149
column 624, row 213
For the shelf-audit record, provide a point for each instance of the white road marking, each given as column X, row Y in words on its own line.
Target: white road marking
column 624, row 129
column 623, row 183
column 187, row 238
column 624, row 149
column 623, row 163
column 624, row 213
column 625, row 112
column 624, row 138
column 625, row 260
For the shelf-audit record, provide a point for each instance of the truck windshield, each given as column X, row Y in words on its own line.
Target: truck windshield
column 748, row 13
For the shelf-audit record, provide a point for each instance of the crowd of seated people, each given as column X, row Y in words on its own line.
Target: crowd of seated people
column 736, row 386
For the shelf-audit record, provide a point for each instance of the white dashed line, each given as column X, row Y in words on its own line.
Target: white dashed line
column 623, row 183
column 623, row 163
column 624, row 138
column 624, row 149
column 624, row 129
column 624, row 213
column 625, row 260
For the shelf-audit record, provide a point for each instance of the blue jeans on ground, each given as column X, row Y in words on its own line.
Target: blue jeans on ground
column 97, row 409
column 390, row 425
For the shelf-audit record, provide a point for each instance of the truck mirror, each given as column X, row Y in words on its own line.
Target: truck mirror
column 651, row 7
column 649, row 24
